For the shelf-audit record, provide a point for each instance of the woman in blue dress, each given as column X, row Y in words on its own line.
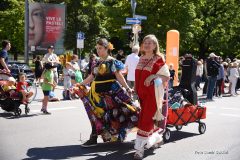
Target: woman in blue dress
column 108, row 104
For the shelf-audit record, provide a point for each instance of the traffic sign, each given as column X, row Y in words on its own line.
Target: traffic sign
column 80, row 43
column 141, row 17
column 126, row 27
column 80, row 35
column 133, row 21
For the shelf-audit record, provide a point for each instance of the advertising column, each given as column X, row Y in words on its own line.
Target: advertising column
column 172, row 52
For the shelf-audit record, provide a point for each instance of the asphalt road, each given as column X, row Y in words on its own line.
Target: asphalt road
column 59, row 135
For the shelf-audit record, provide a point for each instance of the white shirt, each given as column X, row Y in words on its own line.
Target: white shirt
column 131, row 64
column 83, row 64
column 233, row 73
column 49, row 57
column 199, row 71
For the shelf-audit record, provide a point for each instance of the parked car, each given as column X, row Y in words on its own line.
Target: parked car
column 17, row 67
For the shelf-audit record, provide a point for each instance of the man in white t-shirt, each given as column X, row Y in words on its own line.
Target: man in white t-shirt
column 53, row 58
column 131, row 64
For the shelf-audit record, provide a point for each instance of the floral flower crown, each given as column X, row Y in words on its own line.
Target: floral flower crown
column 110, row 46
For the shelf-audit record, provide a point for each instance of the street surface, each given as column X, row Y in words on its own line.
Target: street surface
column 59, row 135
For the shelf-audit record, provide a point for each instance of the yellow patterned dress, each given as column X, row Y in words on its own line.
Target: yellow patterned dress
column 109, row 107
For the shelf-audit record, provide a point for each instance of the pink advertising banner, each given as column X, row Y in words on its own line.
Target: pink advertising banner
column 46, row 27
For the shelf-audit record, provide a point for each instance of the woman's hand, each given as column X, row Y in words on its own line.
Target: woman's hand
column 149, row 79
column 130, row 91
column 165, row 79
column 53, row 85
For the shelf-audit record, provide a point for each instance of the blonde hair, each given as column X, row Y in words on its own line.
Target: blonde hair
column 235, row 64
column 154, row 39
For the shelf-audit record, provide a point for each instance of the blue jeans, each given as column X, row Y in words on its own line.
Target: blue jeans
column 211, row 85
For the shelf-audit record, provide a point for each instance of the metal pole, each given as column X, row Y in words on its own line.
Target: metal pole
column 133, row 5
column 26, row 25
column 135, row 37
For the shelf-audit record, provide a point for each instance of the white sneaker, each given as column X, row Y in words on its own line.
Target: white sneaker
column 138, row 155
column 158, row 145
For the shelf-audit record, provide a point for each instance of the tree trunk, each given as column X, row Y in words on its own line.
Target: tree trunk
column 202, row 50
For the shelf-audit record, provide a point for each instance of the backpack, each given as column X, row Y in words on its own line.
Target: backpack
column 212, row 68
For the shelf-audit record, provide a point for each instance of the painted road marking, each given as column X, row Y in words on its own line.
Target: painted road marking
column 237, row 109
column 53, row 109
column 230, row 115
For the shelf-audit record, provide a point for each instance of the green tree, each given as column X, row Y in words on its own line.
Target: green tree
column 12, row 24
column 85, row 16
column 162, row 16
column 205, row 25
column 215, row 27
column 115, row 14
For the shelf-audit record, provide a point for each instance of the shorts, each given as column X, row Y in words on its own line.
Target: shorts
column 46, row 93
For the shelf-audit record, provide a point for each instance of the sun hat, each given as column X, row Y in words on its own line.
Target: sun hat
column 11, row 79
column 212, row 55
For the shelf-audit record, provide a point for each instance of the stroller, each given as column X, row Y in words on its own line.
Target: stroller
column 11, row 102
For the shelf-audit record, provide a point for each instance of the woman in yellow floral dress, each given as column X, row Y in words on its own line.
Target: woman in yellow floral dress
column 109, row 107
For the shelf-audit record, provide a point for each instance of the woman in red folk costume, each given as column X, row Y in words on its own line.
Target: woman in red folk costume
column 150, row 78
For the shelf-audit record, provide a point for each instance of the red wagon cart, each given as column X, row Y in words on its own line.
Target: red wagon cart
column 182, row 116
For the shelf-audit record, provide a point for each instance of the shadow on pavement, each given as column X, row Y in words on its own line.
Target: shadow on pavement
column 22, row 116
column 10, row 115
column 103, row 151
column 6, row 114
column 179, row 135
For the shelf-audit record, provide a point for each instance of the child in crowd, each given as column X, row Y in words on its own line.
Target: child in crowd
column 48, row 85
column 22, row 86
column 77, row 78
column 172, row 75
column 67, row 73
column 10, row 86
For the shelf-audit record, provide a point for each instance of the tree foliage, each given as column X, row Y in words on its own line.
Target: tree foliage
column 216, row 27
column 12, row 23
column 84, row 16
column 205, row 25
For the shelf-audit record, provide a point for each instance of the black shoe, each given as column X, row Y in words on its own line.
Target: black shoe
column 91, row 142
column 45, row 111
